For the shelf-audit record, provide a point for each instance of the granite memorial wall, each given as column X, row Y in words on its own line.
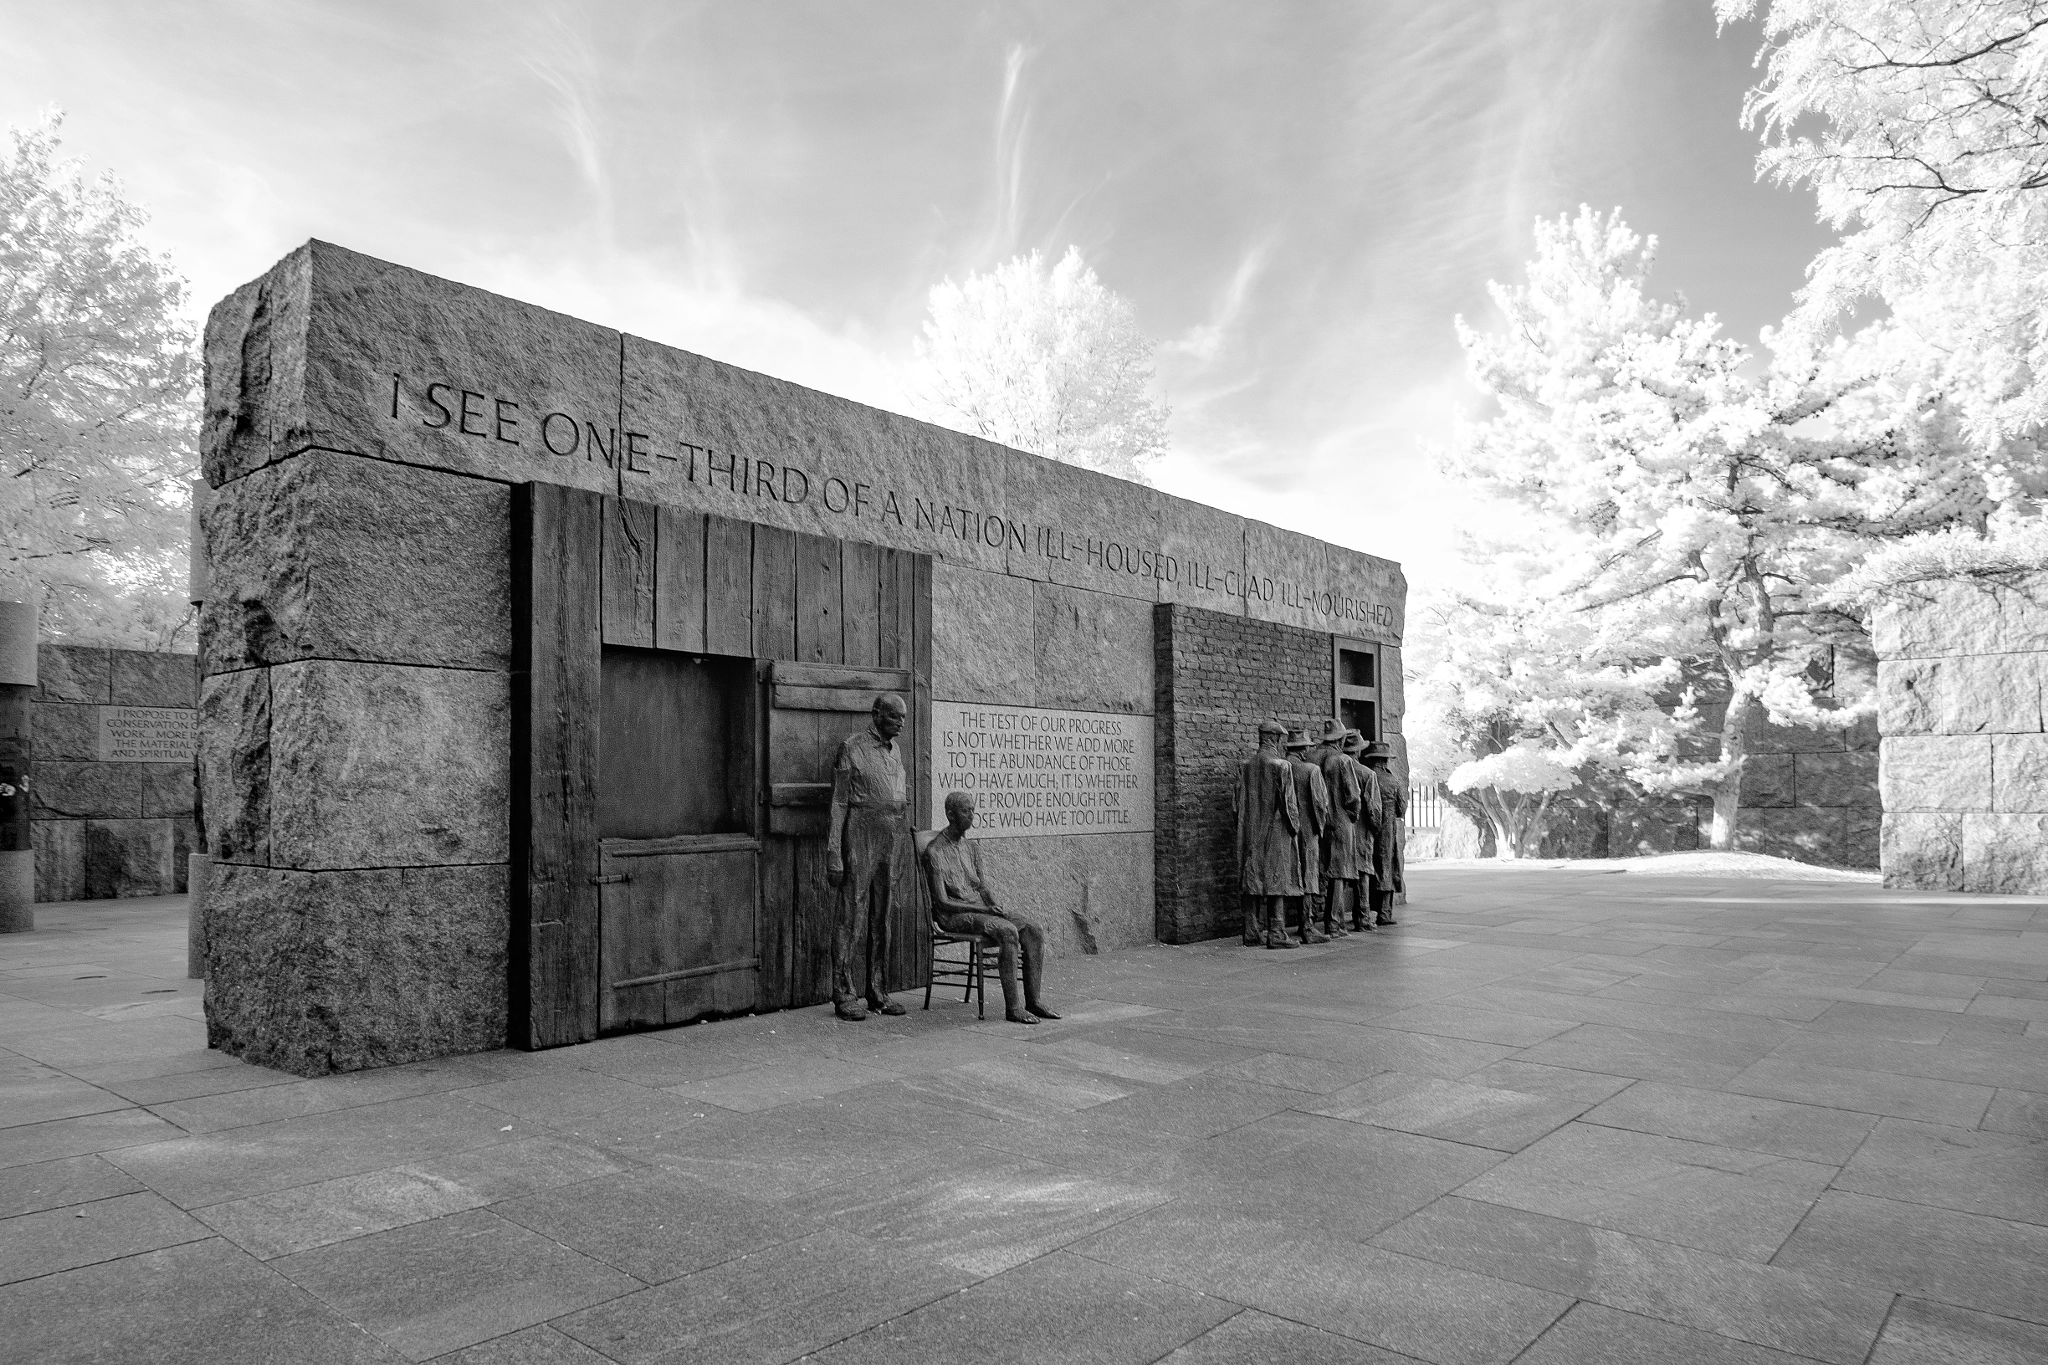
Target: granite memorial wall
column 1963, row 766
column 112, row 795
column 439, row 515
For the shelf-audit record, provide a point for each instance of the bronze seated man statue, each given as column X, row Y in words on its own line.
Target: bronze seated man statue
column 961, row 904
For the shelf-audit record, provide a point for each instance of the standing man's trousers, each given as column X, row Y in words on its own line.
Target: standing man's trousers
column 872, row 851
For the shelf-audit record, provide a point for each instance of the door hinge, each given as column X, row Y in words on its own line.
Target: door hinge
column 611, row 879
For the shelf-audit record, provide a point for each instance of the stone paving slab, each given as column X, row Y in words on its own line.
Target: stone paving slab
column 1556, row 1116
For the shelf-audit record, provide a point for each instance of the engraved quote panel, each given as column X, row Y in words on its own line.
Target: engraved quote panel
column 1035, row 771
column 147, row 734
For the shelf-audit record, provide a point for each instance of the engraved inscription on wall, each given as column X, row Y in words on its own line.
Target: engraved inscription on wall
column 147, row 734
column 1035, row 771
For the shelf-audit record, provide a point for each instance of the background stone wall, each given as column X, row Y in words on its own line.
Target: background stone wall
column 1215, row 678
column 106, row 829
column 1964, row 769
column 1808, row 794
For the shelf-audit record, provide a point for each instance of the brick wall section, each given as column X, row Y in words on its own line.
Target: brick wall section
column 106, row 829
column 1215, row 677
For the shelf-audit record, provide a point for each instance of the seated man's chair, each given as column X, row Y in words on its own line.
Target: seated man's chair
column 971, row 970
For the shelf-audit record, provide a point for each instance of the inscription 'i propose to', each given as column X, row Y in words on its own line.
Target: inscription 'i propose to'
column 1036, row 771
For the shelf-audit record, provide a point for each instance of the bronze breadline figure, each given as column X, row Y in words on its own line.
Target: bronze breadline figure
column 1312, row 801
column 1341, row 775
column 963, row 904
column 864, row 857
column 1387, row 871
column 1268, row 861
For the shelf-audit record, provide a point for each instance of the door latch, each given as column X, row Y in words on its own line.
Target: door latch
column 611, row 879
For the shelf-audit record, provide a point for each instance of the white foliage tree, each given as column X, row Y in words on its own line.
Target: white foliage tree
column 1685, row 505
column 1046, row 359
column 1922, row 128
column 98, row 378
column 1513, row 788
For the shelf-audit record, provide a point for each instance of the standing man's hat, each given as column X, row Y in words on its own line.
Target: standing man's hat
column 1376, row 750
column 1333, row 731
column 1297, row 738
column 1353, row 740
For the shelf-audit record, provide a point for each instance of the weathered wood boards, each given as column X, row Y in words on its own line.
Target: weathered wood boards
column 632, row 938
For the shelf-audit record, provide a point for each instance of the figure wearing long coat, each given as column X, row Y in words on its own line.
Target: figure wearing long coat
column 1371, row 815
column 1312, row 800
column 1341, row 860
column 1267, row 818
column 1387, row 870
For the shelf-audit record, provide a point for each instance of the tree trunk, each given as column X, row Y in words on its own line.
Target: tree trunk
column 1728, row 791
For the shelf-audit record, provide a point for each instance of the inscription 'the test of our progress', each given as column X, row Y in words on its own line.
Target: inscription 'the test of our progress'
column 499, row 421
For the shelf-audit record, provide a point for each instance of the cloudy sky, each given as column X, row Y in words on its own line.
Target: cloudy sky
column 1297, row 197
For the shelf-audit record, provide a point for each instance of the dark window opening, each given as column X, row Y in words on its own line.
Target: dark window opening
column 1361, row 716
column 1354, row 669
column 675, row 758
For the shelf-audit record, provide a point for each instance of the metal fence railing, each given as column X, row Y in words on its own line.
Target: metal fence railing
column 1426, row 807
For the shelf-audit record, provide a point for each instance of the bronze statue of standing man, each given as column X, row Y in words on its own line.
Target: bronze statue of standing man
column 864, row 857
column 1268, row 863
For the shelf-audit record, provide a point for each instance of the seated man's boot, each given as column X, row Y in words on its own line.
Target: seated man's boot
column 1040, row 1010
column 885, row 1006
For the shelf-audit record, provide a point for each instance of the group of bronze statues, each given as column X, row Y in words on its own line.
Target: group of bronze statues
column 1318, row 834
column 1318, row 823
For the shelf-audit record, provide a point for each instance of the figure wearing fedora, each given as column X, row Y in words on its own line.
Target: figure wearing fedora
column 1340, row 835
column 1369, row 810
column 1267, row 818
column 1387, row 878
column 1312, row 799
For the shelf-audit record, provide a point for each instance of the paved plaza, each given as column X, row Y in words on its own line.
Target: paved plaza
column 1558, row 1116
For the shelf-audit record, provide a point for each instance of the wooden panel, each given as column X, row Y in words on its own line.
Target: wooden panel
column 679, row 937
column 892, row 643
column 728, row 586
column 906, row 606
column 628, row 573
column 679, row 581
column 860, row 625
column 774, row 593
column 861, row 700
column 557, row 691
column 921, row 684
column 800, row 794
column 820, row 675
column 777, row 921
column 679, row 843
column 810, row 974
column 819, row 636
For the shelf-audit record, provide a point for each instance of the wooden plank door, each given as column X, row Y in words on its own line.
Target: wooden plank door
column 679, row 929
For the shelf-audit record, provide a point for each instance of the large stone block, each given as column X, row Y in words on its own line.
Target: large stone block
column 129, row 858
column 75, row 673
column 333, row 350
column 1995, row 693
column 1093, row 651
column 1835, row 779
column 316, row 972
column 79, row 790
column 1862, row 842
column 60, row 859
column 337, row 557
column 1075, row 887
column 1931, row 620
column 2005, row 854
column 1923, row 852
column 234, row 765
column 2019, row 768
column 64, row 732
column 1936, row 772
column 1809, row 834
column 1393, row 684
column 377, row 765
column 1766, row 780
column 163, row 789
column 982, row 637
column 145, row 678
